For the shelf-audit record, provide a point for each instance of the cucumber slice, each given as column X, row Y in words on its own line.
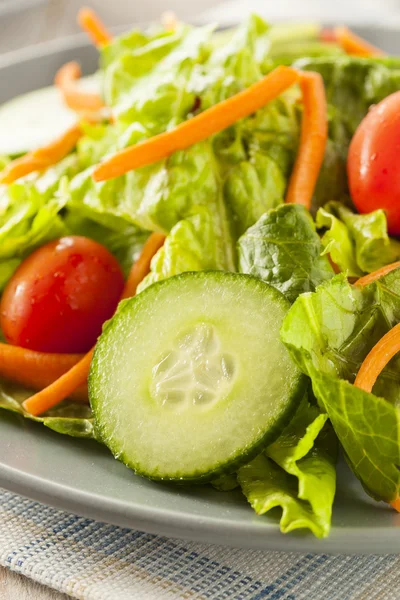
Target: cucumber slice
column 33, row 120
column 190, row 378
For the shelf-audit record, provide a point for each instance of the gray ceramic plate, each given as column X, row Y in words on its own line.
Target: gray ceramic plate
column 82, row 477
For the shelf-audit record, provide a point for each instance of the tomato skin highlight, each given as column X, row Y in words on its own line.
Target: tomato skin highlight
column 60, row 296
column 373, row 162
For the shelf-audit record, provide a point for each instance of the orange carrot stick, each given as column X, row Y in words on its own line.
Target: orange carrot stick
column 355, row 45
column 142, row 266
column 200, row 127
column 377, row 359
column 36, row 370
column 367, row 279
column 42, row 158
column 314, row 133
column 89, row 21
column 169, row 20
column 75, row 98
column 77, row 375
column 396, row 504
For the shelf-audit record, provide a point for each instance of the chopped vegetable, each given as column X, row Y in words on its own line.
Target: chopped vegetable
column 42, row 158
column 74, row 97
column 60, row 296
column 367, row 279
column 200, row 391
column 36, row 370
column 377, row 359
column 374, row 180
column 96, row 30
column 314, row 133
column 77, row 376
column 196, row 129
column 354, row 44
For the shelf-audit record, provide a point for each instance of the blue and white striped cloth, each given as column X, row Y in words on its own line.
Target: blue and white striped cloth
column 96, row 561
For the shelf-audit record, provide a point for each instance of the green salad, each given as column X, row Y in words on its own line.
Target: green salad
column 198, row 260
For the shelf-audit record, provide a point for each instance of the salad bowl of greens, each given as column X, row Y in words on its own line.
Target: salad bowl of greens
column 199, row 276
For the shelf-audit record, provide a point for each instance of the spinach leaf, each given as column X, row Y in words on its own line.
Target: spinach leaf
column 296, row 473
column 357, row 243
column 284, row 250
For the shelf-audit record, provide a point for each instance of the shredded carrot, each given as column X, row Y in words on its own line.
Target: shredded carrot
column 200, row 127
column 314, row 133
column 396, row 504
column 367, row 279
column 42, row 158
column 377, row 359
column 35, row 370
column 89, row 21
column 74, row 97
column 77, row 376
column 355, row 45
column 142, row 265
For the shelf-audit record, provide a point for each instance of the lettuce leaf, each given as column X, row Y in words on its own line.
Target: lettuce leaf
column 297, row 473
column 30, row 215
column 191, row 246
column 328, row 334
column 368, row 428
column 69, row 418
column 357, row 243
column 284, row 250
column 146, row 79
column 333, row 329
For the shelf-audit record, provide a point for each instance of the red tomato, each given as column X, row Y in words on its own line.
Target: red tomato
column 60, row 296
column 373, row 165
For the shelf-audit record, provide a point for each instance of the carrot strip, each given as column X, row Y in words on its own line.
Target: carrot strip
column 200, row 127
column 75, row 98
column 142, row 266
column 77, row 375
column 367, row 279
column 42, row 158
column 36, row 370
column 314, row 134
column 396, row 504
column 377, row 359
column 60, row 388
column 90, row 22
column 354, row 44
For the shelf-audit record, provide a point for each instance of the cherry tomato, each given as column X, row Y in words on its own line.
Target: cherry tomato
column 373, row 162
column 60, row 296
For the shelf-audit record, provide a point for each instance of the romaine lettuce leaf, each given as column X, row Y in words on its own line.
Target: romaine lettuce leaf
column 149, row 82
column 333, row 329
column 284, row 250
column 328, row 334
column 69, row 418
column 30, row 215
column 296, row 473
column 191, row 246
column 357, row 243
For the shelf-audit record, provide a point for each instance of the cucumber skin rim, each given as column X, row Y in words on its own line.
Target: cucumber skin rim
column 269, row 436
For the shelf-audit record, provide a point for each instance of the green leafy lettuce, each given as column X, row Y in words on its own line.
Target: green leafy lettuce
column 357, row 243
column 69, row 418
column 284, row 250
column 30, row 215
column 297, row 473
column 328, row 334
